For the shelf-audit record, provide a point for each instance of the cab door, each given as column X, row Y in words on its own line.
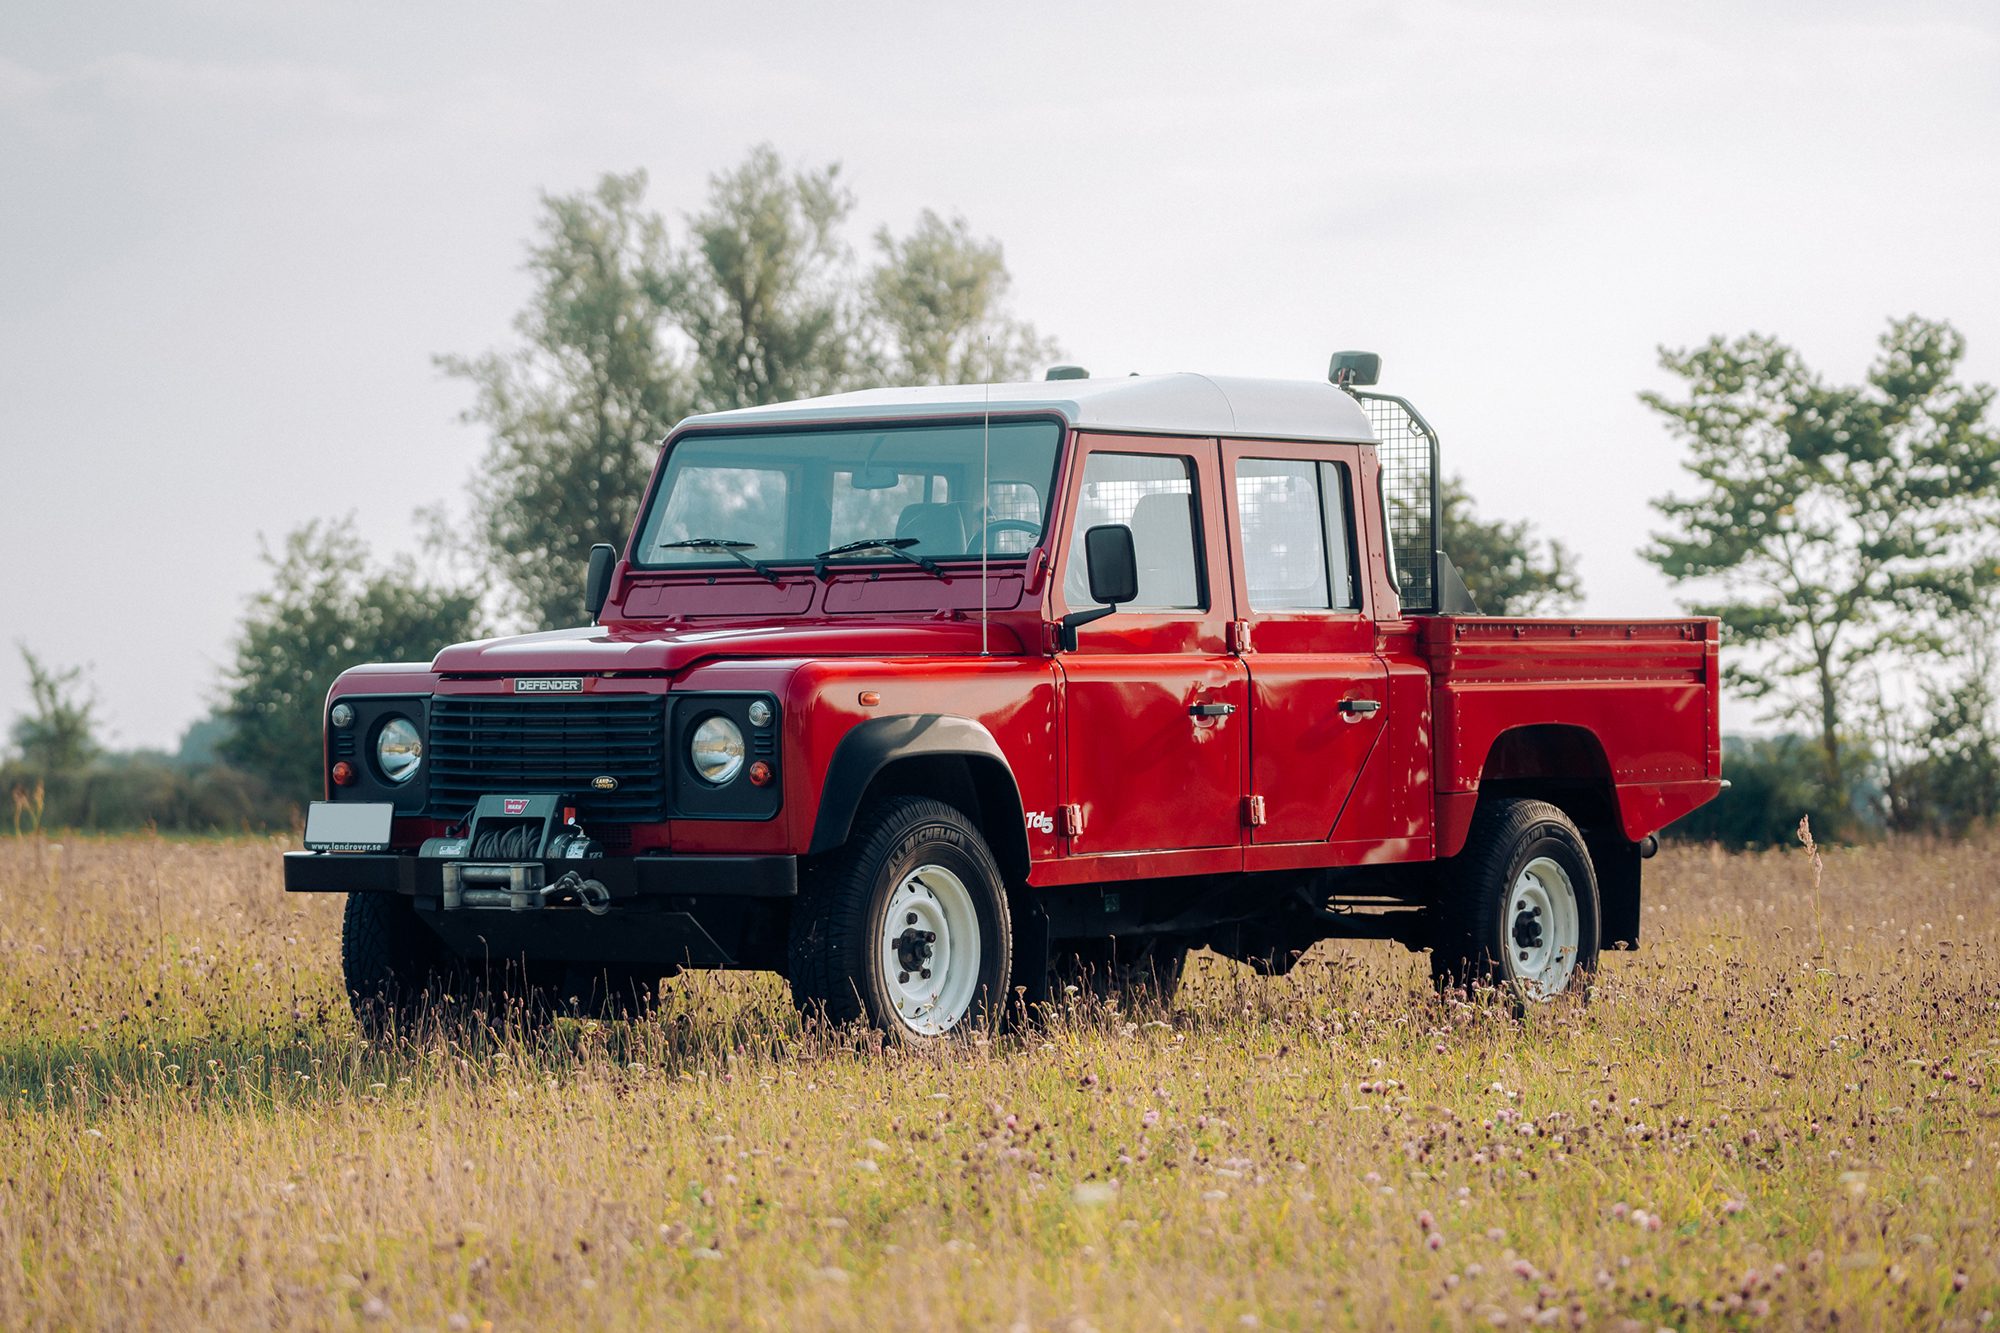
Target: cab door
column 1318, row 689
column 1154, row 701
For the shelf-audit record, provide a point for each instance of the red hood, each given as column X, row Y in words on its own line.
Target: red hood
column 670, row 648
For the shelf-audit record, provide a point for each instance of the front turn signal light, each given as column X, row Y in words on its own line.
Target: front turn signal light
column 760, row 774
column 343, row 773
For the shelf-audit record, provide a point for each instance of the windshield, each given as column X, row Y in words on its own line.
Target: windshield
column 794, row 494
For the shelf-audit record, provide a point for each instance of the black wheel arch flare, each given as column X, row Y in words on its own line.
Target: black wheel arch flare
column 922, row 747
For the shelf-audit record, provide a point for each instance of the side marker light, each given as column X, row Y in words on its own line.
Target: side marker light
column 760, row 774
column 343, row 773
column 869, row 698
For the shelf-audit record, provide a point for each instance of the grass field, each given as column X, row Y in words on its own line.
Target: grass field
column 1778, row 1114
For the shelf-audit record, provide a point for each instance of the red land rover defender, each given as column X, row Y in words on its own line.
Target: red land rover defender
column 935, row 699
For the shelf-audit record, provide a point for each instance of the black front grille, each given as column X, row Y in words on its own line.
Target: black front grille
column 480, row 745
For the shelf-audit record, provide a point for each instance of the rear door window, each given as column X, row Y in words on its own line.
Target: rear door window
column 1298, row 551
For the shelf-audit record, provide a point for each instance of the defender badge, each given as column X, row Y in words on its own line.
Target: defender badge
column 606, row 783
column 548, row 685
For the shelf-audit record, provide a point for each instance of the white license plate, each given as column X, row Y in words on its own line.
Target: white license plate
column 348, row 826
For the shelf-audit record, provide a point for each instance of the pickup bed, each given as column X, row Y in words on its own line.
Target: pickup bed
column 937, row 700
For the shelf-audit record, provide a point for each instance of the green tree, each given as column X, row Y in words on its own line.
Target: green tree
column 1506, row 569
column 937, row 298
column 1941, row 760
column 60, row 735
column 1837, row 520
column 764, row 288
column 576, row 411
column 324, row 612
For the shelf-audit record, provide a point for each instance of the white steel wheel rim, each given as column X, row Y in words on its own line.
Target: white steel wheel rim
column 1543, row 929
column 930, row 950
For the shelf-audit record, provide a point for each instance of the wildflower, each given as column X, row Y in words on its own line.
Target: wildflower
column 1619, row 1209
column 374, row 1308
column 1654, row 1222
column 1959, row 1281
column 1013, row 1122
column 1372, row 1178
column 1733, row 1205
column 708, row 1198
column 1759, row 1308
column 1525, row 1270
column 1434, row 1241
column 1151, row 1117
column 1496, row 1235
column 1426, row 1221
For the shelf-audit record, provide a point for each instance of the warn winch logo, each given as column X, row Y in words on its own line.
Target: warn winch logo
column 548, row 685
column 515, row 805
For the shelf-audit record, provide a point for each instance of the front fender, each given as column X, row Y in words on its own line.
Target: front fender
column 872, row 746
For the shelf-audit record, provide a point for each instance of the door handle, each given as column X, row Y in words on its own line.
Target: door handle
column 1210, row 710
column 1361, row 706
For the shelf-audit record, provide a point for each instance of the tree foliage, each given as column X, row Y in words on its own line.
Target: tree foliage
column 1508, row 571
column 938, row 302
column 326, row 611
column 765, row 300
column 60, row 735
column 576, row 412
column 762, row 288
column 1838, row 520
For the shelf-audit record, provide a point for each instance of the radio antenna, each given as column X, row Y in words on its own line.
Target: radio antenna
column 985, row 498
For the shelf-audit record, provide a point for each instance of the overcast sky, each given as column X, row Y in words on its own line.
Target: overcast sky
column 233, row 235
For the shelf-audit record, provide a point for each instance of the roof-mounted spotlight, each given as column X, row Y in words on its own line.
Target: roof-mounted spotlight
column 1067, row 373
column 1355, row 368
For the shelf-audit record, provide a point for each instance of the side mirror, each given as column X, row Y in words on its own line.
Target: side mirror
column 1113, row 563
column 1113, row 566
column 597, row 583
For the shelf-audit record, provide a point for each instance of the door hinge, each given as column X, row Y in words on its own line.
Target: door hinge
column 1072, row 821
column 1253, row 811
column 1239, row 636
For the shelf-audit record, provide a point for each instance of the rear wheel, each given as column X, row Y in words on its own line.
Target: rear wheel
column 905, row 927
column 1518, row 908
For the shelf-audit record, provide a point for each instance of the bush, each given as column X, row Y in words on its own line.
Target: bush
column 1772, row 784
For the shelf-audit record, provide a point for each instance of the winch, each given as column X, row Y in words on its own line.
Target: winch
column 505, row 846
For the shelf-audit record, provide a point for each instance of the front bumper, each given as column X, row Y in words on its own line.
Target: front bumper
column 665, row 911
column 625, row 876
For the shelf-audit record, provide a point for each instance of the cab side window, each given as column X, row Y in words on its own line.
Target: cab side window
column 1297, row 548
column 1152, row 494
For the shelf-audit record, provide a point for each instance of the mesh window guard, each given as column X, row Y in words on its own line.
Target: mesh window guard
column 1407, row 449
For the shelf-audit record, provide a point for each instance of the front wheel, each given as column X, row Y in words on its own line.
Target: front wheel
column 905, row 927
column 1518, row 907
column 397, row 971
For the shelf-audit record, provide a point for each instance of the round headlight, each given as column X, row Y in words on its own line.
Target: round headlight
column 342, row 715
column 717, row 750
column 398, row 750
column 760, row 713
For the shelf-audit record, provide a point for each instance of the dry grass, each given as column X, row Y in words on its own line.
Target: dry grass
column 1777, row 1115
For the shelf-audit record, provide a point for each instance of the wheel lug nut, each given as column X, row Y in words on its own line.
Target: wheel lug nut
column 903, row 977
column 910, row 920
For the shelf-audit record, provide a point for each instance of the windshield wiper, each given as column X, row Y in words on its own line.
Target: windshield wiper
column 895, row 546
column 734, row 550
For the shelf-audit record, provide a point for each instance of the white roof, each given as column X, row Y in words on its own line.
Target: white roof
column 1182, row 404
